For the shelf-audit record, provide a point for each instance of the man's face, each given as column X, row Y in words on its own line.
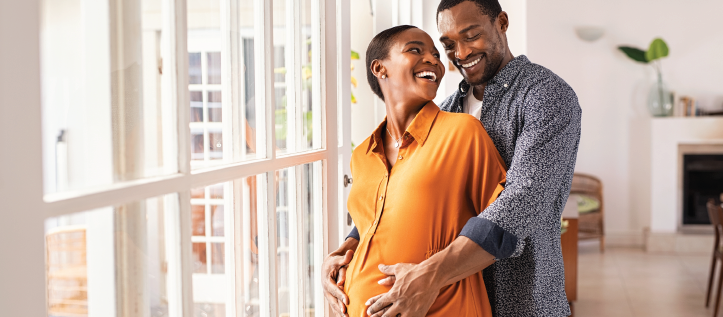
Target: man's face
column 472, row 41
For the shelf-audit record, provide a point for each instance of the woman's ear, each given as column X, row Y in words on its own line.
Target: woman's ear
column 377, row 69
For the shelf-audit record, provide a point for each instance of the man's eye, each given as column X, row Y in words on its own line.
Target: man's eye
column 437, row 55
column 415, row 50
column 472, row 38
column 448, row 47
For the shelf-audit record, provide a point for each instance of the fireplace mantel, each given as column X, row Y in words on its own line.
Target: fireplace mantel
column 671, row 138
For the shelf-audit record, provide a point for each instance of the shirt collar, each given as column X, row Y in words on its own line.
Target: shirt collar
column 503, row 79
column 418, row 129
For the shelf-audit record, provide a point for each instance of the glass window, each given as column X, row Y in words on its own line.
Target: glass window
column 104, row 105
column 298, row 214
column 88, row 255
column 221, row 260
column 298, row 110
column 223, row 73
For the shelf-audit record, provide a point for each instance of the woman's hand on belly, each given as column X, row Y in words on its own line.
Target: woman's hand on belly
column 418, row 296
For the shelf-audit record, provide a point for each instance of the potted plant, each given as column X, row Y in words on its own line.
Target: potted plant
column 660, row 99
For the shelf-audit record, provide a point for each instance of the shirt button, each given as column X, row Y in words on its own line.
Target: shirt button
column 381, row 197
column 505, row 85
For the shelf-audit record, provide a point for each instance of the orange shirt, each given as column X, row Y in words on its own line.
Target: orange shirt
column 447, row 172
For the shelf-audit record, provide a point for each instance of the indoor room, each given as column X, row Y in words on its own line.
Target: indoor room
column 259, row 158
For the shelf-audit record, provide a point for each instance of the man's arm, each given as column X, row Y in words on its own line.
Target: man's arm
column 333, row 272
column 462, row 258
column 541, row 169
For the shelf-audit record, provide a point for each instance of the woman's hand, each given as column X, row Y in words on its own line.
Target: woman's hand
column 413, row 291
column 333, row 272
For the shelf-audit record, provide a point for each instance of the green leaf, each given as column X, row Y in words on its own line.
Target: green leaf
column 354, row 55
column 658, row 49
column 635, row 54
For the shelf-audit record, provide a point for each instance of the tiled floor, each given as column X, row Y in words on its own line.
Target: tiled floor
column 631, row 282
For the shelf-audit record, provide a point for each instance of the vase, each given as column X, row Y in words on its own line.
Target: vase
column 660, row 99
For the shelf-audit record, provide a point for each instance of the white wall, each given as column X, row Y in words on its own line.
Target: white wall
column 615, row 143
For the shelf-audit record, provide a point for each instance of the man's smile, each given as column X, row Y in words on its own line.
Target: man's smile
column 472, row 63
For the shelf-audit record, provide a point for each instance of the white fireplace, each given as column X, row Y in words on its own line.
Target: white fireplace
column 671, row 139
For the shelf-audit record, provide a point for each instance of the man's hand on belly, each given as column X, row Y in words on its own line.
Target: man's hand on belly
column 412, row 292
column 416, row 286
column 333, row 272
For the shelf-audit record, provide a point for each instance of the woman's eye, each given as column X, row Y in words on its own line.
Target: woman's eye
column 415, row 50
column 437, row 55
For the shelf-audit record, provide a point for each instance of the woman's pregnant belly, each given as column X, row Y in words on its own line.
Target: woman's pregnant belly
column 412, row 240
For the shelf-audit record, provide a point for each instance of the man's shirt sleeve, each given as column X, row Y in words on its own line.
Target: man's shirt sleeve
column 353, row 234
column 540, row 172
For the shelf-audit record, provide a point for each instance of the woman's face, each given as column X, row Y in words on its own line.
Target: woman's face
column 413, row 69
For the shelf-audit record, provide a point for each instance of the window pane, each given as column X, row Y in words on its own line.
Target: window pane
column 217, row 224
column 198, row 220
column 209, row 310
column 298, row 113
column 214, row 106
column 298, row 213
column 282, row 240
column 196, row 106
column 226, row 81
column 199, row 258
column 194, row 68
column 312, row 214
column 90, row 254
column 105, row 107
column 214, row 67
column 281, row 76
column 222, row 260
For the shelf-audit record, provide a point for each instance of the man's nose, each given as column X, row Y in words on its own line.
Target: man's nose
column 462, row 52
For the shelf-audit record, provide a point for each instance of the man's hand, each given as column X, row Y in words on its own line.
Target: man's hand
column 412, row 294
column 333, row 272
column 416, row 286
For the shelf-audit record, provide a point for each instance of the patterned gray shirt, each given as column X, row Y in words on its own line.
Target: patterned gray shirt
column 533, row 118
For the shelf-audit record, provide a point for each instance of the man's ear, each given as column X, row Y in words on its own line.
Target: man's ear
column 377, row 69
column 504, row 21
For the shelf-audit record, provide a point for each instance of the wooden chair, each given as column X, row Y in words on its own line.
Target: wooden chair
column 591, row 225
column 715, row 213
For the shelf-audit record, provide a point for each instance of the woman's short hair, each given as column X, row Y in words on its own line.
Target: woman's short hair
column 379, row 49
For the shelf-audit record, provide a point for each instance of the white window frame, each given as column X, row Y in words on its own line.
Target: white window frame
column 24, row 280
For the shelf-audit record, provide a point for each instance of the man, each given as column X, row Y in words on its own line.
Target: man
column 533, row 117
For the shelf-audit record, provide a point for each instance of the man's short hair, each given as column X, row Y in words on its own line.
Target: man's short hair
column 490, row 8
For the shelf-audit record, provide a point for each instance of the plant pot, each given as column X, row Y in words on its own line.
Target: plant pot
column 660, row 99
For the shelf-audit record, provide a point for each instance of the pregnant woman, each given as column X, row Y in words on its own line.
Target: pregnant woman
column 419, row 177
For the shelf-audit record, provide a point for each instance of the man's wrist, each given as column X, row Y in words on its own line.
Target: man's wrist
column 433, row 269
column 348, row 244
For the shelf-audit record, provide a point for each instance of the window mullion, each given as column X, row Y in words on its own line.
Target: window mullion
column 295, row 281
column 316, row 47
column 293, row 78
column 176, row 106
column 264, row 64
column 230, row 96
column 267, row 245
column 319, row 237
